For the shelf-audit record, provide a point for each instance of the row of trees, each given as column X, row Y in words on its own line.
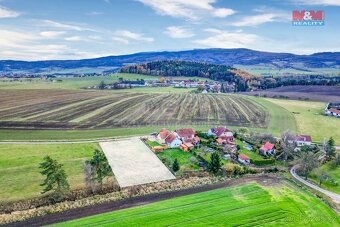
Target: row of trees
column 56, row 181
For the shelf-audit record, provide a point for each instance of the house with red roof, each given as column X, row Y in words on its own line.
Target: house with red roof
column 168, row 138
column 172, row 141
column 333, row 112
column 302, row 140
column 185, row 133
column 243, row 159
column 267, row 149
column 225, row 136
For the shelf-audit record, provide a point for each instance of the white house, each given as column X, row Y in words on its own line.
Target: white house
column 302, row 140
column 243, row 159
column 173, row 141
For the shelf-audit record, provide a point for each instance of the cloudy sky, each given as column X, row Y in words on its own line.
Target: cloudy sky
column 74, row 29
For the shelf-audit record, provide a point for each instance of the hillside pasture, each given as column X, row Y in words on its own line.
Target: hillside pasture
column 73, row 109
column 244, row 205
column 311, row 93
column 310, row 119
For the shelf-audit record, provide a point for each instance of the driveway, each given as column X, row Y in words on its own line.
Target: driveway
column 335, row 197
column 133, row 163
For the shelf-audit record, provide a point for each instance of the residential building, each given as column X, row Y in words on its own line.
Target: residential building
column 243, row 159
column 267, row 149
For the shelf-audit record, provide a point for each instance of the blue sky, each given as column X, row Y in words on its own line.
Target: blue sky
column 74, row 29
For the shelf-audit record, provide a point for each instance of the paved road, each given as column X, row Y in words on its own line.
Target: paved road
column 335, row 197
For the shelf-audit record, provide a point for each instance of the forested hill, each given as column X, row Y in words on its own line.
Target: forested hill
column 184, row 68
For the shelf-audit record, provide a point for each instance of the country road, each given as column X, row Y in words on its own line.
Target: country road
column 69, row 141
column 335, row 197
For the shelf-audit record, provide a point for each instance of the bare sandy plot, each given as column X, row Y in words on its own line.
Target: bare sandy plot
column 133, row 163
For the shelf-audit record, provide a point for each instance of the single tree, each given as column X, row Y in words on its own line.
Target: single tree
column 215, row 163
column 101, row 167
column 175, row 165
column 56, row 178
column 287, row 146
column 329, row 148
column 101, row 85
column 322, row 177
column 335, row 162
column 307, row 163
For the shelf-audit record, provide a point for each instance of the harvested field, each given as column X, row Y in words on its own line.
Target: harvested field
column 313, row 93
column 133, row 163
column 72, row 109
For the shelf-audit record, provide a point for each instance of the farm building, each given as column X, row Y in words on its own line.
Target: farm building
column 185, row 133
column 333, row 109
column 162, row 135
column 267, row 149
column 243, row 159
column 302, row 140
column 168, row 138
column 186, row 146
column 220, row 132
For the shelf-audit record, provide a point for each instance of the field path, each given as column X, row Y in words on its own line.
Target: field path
column 335, row 197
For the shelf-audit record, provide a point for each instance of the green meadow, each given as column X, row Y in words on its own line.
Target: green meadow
column 243, row 205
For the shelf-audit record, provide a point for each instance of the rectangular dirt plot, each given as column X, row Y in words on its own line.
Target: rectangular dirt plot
column 133, row 163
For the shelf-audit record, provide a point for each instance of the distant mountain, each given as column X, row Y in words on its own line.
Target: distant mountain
column 229, row 57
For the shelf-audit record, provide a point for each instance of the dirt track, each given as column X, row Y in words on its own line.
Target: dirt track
column 137, row 201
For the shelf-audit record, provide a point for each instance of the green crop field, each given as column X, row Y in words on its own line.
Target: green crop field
column 74, row 109
column 310, row 119
column 20, row 176
column 244, row 205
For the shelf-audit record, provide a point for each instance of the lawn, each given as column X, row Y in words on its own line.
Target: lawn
column 19, row 167
column 250, row 154
column 310, row 119
column 183, row 158
column 333, row 173
column 280, row 118
column 243, row 205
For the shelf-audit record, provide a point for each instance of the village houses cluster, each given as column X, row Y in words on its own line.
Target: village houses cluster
column 186, row 139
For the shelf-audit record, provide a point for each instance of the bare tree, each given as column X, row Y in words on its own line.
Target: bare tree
column 89, row 182
column 307, row 163
column 287, row 146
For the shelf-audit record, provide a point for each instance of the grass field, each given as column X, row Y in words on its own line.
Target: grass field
column 72, row 109
column 280, row 118
column 20, row 176
column 183, row 158
column 244, row 205
column 83, row 82
column 310, row 119
column 333, row 173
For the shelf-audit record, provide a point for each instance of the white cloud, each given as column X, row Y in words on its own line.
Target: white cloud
column 261, row 19
column 56, row 24
column 317, row 2
column 178, row 32
column 74, row 38
column 6, row 13
column 133, row 36
column 227, row 39
column 121, row 40
column 223, row 12
column 190, row 9
column 51, row 34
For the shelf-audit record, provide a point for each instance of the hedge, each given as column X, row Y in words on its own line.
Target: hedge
column 261, row 162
